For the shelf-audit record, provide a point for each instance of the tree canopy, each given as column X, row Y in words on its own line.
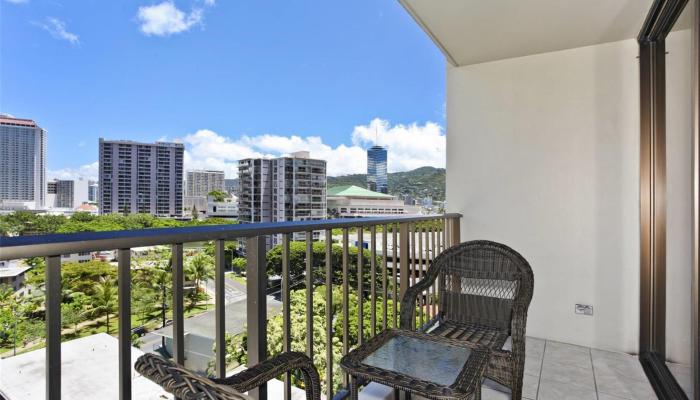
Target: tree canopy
column 21, row 223
column 236, row 346
column 218, row 195
column 297, row 262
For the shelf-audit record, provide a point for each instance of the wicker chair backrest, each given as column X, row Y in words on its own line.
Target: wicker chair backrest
column 481, row 281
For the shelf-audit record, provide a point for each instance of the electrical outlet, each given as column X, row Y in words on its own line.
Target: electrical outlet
column 584, row 309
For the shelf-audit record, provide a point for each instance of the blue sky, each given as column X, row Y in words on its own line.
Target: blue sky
column 229, row 78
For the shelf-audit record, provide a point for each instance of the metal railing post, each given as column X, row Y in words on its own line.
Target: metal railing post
column 286, row 313
column 124, row 288
column 329, row 314
column 256, row 283
column 346, row 298
column 454, row 231
column 309, row 294
column 220, row 307
column 360, row 286
column 53, row 327
column 178, row 305
column 404, row 258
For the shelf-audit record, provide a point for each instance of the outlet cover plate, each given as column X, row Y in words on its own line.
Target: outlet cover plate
column 584, row 309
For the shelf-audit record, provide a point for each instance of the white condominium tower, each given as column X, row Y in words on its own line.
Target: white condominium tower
column 22, row 163
column 141, row 177
column 202, row 182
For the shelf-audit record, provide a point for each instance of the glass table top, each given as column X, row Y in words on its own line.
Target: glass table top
column 421, row 359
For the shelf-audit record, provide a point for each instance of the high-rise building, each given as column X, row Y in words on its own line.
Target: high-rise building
column 141, row 177
column 202, row 182
column 63, row 191
column 282, row 189
column 81, row 192
column 22, row 163
column 377, row 178
column 93, row 190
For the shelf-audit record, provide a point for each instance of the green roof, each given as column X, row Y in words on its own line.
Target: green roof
column 356, row 191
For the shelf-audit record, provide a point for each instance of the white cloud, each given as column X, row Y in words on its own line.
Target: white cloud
column 17, row 1
column 57, row 29
column 206, row 149
column 88, row 171
column 165, row 19
column 410, row 147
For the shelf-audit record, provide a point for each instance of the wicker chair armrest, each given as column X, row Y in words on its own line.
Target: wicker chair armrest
column 274, row 367
column 518, row 322
column 181, row 382
column 408, row 303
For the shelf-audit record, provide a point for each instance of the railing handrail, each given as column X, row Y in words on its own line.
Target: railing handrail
column 16, row 247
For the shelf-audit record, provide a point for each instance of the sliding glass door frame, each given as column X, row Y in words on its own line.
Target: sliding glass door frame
column 652, row 339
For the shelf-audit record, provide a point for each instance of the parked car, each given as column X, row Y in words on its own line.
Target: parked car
column 139, row 330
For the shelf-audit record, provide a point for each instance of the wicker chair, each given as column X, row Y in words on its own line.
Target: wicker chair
column 484, row 291
column 186, row 385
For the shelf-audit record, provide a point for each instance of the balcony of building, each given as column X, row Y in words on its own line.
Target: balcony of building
column 572, row 131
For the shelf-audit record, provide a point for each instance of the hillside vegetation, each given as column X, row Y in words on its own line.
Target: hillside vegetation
column 419, row 183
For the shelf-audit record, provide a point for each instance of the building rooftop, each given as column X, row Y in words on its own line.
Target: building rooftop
column 90, row 369
column 9, row 120
column 11, row 269
column 355, row 191
column 209, row 171
column 134, row 142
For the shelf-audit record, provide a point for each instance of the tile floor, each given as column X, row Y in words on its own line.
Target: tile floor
column 560, row 371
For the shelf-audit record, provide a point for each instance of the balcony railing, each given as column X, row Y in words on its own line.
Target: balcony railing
column 416, row 241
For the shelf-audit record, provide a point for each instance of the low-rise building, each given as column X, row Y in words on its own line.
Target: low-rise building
column 95, row 380
column 192, row 202
column 222, row 209
column 356, row 202
column 12, row 274
column 77, row 257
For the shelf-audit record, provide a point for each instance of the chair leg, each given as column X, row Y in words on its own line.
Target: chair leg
column 353, row 388
column 517, row 384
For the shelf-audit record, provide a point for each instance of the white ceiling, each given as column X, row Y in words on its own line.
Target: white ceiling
column 476, row 31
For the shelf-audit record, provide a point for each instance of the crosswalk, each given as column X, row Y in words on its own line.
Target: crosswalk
column 233, row 291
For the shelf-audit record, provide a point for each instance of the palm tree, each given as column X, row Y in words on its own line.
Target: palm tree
column 104, row 299
column 161, row 280
column 199, row 269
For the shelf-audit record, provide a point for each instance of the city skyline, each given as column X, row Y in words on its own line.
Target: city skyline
column 246, row 106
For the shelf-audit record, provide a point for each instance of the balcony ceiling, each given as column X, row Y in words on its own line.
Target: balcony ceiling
column 476, row 31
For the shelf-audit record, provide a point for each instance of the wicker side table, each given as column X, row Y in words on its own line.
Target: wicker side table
column 431, row 366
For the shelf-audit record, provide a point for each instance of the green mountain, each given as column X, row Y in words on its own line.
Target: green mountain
column 419, row 183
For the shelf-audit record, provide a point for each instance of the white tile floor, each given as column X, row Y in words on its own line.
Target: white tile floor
column 560, row 371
